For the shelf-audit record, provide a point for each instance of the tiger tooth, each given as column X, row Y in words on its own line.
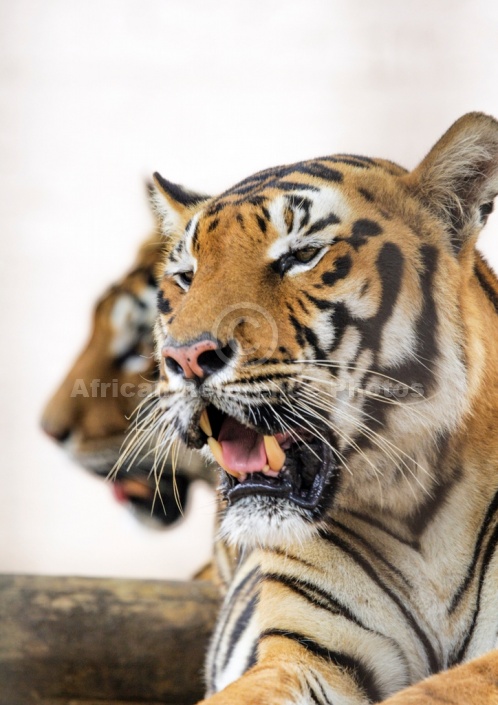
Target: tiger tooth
column 266, row 470
column 217, row 451
column 274, row 453
column 205, row 424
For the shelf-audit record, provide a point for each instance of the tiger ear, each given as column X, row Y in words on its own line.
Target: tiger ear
column 458, row 179
column 173, row 203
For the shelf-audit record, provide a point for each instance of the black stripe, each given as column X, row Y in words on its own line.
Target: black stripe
column 342, row 268
column 312, row 693
column 362, row 675
column 316, row 597
column 252, row 658
column 257, row 201
column 362, row 230
column 261, row 223
column 490, row 514
column 379, row 525
column 358, row 158
column 291, row 186
column 359, row 559
column 366, row 195
column 249, row 581
column 216, row 207
column 290, row 556
column 300, row 202
column 307, row 335
column 312, row 340
column 239, row 627
column 426, row 512
column 322, row 304
column 390, row 266
column 320, row 171
column 323, row 600
column 163, row 304
column 353, row 162
column 323, row 696
column 371, row 549
column 330, row 219
column 488, row 289
column 489, row 554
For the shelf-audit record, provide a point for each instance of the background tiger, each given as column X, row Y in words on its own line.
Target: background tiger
column 89, row 414
column 329, row 334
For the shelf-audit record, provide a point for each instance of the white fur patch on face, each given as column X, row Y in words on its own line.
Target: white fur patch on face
column 189, row 237
column 124, row 321
column 131, row 319
column 136, row 364
column 320, row 206
column 148, row 296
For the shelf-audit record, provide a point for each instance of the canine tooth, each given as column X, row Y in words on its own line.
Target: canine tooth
column 269, row 472
column 274, row 453
column 217, row 451
column 205, row 424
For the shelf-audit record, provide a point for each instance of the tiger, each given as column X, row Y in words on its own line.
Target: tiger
column 327, row 333
column 91, row 422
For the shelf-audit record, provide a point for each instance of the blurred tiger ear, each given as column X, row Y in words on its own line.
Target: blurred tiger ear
column 173, row 203
column 458, row 179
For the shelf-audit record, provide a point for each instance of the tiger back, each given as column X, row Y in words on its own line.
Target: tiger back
column 328, row 333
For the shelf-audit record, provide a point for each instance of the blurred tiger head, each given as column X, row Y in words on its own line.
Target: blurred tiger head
column 318, row 330
column 89, row 414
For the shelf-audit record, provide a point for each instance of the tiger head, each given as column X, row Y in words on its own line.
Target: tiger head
column 320, row 330
column 89, row 414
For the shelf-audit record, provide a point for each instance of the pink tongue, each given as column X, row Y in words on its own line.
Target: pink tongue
column 243, row 449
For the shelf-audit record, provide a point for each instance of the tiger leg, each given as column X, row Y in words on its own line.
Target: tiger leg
column 287, row 673
column 473, row 683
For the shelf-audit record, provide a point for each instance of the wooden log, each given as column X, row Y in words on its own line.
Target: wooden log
column 81, row 641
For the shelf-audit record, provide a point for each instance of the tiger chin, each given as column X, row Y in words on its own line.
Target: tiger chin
column 328, row 334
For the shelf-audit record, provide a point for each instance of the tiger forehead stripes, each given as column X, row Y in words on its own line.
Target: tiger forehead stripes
column 328, row 334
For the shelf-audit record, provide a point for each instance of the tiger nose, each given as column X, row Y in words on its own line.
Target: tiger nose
column 198, row 360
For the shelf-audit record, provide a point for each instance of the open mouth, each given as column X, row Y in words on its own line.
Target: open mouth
column 295, row 465
column 153, row 505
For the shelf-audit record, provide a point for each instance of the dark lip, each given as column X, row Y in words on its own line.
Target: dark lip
column 281, row 487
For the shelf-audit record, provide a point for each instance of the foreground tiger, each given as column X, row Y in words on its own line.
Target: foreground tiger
column 89, row 414
column 329, row 334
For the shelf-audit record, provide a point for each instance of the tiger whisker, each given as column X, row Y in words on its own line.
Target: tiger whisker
column 379, row 441
column 346, row 438
column 361, row 425
column 355, row 368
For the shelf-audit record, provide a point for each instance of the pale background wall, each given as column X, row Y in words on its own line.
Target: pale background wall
column 96, row 95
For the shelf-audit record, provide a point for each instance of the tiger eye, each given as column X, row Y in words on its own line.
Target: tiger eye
column 186, row 277
column 306, row 254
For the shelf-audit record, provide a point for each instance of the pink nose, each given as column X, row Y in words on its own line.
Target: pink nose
column 197, row 360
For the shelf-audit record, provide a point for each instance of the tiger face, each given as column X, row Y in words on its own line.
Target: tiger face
column 89, row 414
column 313, row 335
